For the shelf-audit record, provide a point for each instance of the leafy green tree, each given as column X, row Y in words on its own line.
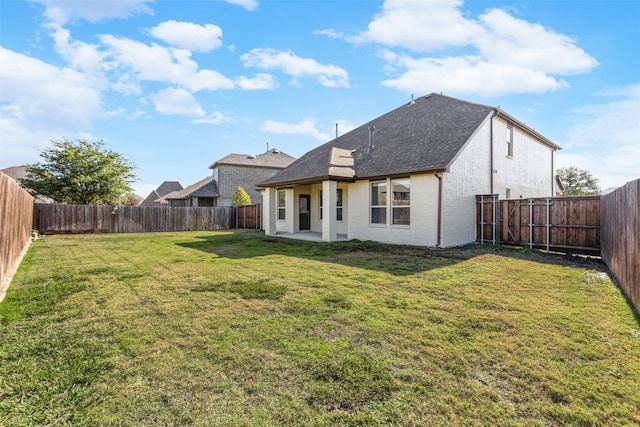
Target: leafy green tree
column 81, row 172
column 241, row 198
column 578, row 182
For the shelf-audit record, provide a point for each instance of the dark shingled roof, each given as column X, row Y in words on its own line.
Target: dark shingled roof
column 206, row 187
column 164, row 189
column 421, row 136
column 273, row 159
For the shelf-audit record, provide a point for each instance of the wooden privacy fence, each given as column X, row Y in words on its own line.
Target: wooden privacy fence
column 249, row 216
column 58, row 218
column 16, row 219
column 553, row 223
column 621, row 237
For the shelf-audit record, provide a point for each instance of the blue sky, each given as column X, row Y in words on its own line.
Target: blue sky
column 176, row 85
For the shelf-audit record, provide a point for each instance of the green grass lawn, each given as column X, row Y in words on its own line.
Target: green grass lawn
column 235, row 329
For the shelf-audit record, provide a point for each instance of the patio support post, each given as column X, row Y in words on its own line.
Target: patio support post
column 270, row 211
column 329, row 220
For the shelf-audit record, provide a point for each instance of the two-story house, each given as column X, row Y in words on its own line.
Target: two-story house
column 411, row 175
column 229, row 173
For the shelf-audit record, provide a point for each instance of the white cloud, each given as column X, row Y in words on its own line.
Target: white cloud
column 331, row 33
column 512, row 41
column 260, row 81
column 468, row 75
column 305, row 127
column 176, row 101
column 503, row 54
column 420, row 26
column 246, row 4
column 80, row 55
column 121, row 112
column 60, row 12
column 44, row 96
column 162, row 64
column 186, row 35
column 605, row 138
column 40, row 102
column 327, row 75
column 215, row 118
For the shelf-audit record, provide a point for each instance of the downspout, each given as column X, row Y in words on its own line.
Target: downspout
column 553, row 173
column 495, row 113
column 439, row 230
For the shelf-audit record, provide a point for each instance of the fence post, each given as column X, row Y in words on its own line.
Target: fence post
column 482, row 220
column 548, row 225
column 530, row 223
column 493, row 225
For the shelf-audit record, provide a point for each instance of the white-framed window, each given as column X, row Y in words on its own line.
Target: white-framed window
column 281, row 205
column 401, row 201
column 338, row 204
column 378, row 202
column 509, row 140
column 507, row 192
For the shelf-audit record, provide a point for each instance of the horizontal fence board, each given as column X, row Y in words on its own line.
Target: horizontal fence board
column 59, row 218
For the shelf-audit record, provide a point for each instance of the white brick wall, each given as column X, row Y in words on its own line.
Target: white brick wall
column 469, row 174
column 424, row 214
column 529, row 172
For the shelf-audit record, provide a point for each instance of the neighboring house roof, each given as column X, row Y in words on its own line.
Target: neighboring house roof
column 164, row 189
column 424, row 135
column 206, row 187
column 17, row 173
column 273, row 159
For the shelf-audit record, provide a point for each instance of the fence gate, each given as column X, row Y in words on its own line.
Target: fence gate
column 249, row 216
column 552, row 223
column 487, row 216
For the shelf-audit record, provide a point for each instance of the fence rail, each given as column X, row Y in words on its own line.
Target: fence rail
column 552, row 223
column 16, row 219
column 621, row 237
column 58, row 218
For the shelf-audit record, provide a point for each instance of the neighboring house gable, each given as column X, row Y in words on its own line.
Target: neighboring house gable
column 17, row 173
column 246, row 171
column 165, row 188
column 411, row 175
column 203, row 193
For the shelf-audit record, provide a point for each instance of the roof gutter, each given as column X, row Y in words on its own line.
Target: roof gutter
column 304, row 181
column 531, row 131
